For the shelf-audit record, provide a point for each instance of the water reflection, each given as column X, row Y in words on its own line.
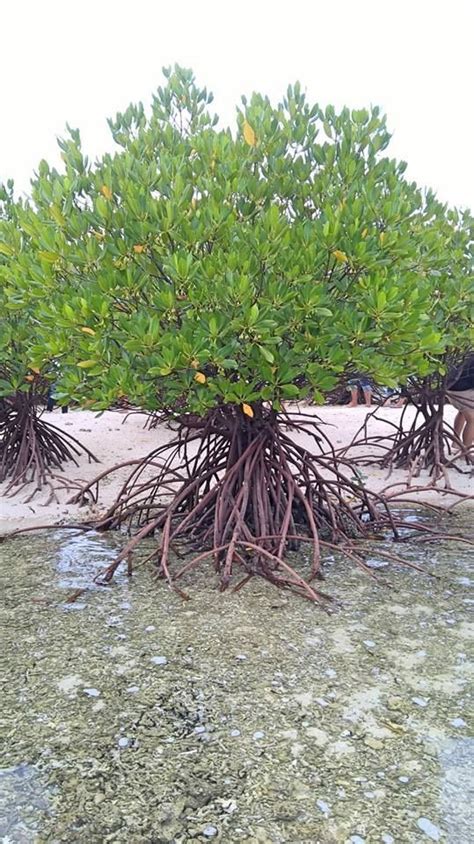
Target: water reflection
column 80, row 557
column 457, row 790
column 24, row 800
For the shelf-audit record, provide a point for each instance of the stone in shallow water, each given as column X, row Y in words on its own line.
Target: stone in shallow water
column 420, row 701
column 323, row 806
column 289, row 734
column 70, row 683
column 150, row 628
column 259, row 734
column 387, row 838
column 356, row 839
column 429, row 828
column 133, row 689
column 373, row 743
column 123, row 742
column 92, row 692
column 320, row 737
column 159, row 660
column 376, row 564
column 235, row 733
column 305, row 699
column 369, row 643
column 210, row 831
column 458, row 722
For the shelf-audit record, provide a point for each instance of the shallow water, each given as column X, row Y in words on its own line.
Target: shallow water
column 130, row 716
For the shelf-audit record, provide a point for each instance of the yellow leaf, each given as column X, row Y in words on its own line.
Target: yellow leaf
column 340, row 256
column 50, row 257
column 105, row 191
column 86, row 364
column 193, row 202
column 249, row 135
column 247, row 410
column 200, row 378
column 382, row 237
column 194, row 363
column 396, row 728
column 35, row 370
column 58, row 216
column 29, row 377
column 364, row 233
column 5, row 249
column 87, row 330
column 138, row 248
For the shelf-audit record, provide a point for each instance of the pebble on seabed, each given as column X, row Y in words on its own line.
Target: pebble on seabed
column 159, row 660
column 429, row 829
column 209, row 831
column 420, row 701
column 92, row 692
column 323, row 806
column 458, row 722
column 356, row 839
column 259, row 734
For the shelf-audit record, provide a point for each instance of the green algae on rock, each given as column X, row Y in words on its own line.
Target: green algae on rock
column 250, row 748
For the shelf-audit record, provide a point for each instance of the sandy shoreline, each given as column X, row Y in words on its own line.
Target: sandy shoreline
column 113, row 438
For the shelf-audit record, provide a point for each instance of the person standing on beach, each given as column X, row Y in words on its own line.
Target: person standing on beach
column 461, row 395
column 365, row 384
column 51, row 397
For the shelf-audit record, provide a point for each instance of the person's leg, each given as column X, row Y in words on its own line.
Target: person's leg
column 468, row 432
column 367, row 395
column 354, row 395
column 459, row 423
column 64, row 408
column 49, row 402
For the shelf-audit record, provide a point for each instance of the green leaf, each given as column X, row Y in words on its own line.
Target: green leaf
column 86, row 364
column 253, row 315
column 267, row 354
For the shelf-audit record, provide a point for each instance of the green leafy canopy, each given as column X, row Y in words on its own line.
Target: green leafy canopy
column 198, row 266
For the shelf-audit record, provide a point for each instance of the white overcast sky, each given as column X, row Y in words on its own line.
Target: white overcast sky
column 79, row 61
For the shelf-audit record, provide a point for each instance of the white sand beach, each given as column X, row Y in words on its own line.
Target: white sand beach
column 115, row 437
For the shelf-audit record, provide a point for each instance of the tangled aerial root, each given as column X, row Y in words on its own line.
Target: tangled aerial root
column 427, row 443
column 245, row 493
column 31, row 448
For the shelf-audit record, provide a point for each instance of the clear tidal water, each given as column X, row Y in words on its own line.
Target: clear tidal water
column 131, row 716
